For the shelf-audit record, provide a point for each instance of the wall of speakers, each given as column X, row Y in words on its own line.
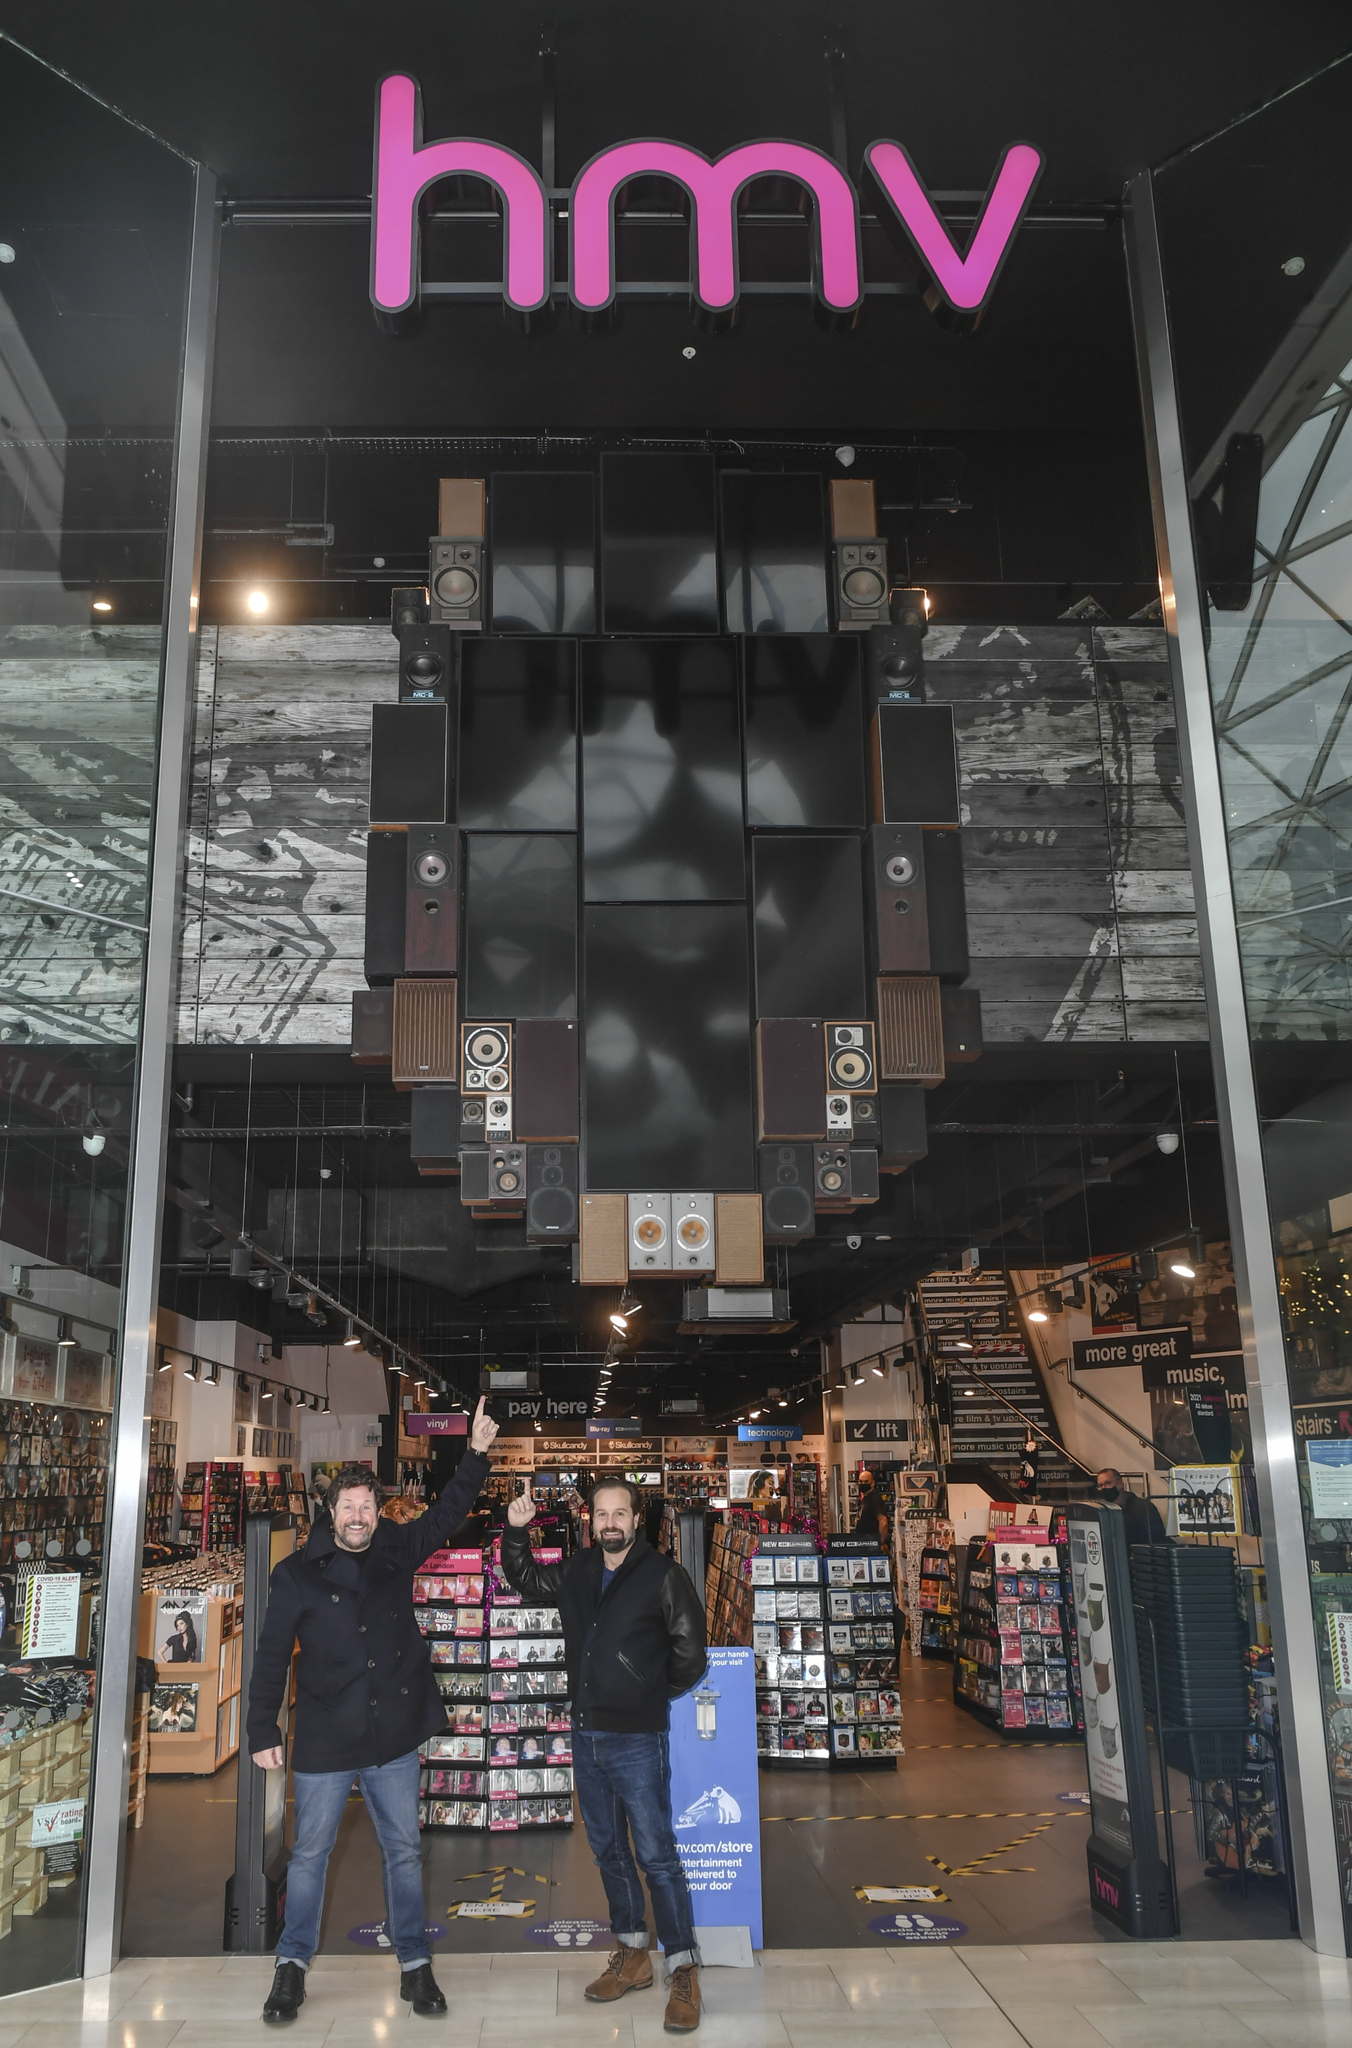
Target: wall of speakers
column 900, row 913
column 850, row 1064
column 788, row 1196
column 507, row 1174
column 864, row 1118
column 545, row 1083
column 840, row 1116
column 789, row 1077
column 473, row 1121
column 486, row 1059
column 498, row 1116
column 863, row 1174
column 603, row 1251
column 692, row 1233
column 831, row 1175
column 649, row 1233
column 455, row 574
column 914, row 759
column 910, row 1029
column 410, row 764
column 432, row 899
column 551, row 1194
column 423, row 1041
column 372, row 1026
column 386, row 893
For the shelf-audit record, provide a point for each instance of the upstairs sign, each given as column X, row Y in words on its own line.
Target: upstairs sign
column 406, row 167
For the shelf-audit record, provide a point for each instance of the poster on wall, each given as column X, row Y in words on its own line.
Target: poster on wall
column 755, row 1484
column 51, row 1614
column 715, row 1805
column 173, row 1708
column 86, row 1378
column 1330, row 1468
column 32, row 1368
column 1112, row 1294
column 1202, row 1500
column 180, row 1628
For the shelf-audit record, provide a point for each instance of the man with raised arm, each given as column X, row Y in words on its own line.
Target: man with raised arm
column 365, row 1699
column 634, row 1638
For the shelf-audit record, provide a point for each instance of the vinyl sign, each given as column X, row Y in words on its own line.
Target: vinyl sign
column 715, row 1794
column 406, row 166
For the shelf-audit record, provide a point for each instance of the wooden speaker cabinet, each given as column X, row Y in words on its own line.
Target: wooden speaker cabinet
column 603, row 1254
column 789, row 1081
column 910, row 1029
column 739, row 1250
column 425, row 1045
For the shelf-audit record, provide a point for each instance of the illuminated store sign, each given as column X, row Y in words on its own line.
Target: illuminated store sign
column 405, row 167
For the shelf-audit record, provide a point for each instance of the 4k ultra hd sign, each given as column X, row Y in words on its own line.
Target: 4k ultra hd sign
column 405, row 167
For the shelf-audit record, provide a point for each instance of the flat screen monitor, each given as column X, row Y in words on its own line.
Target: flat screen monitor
column 773, row 530
column 520, row 924
column 661, row 772
column 803, row 718
column 518, row 735
column 542, row 551
column 667, row 1047
column 659, row 544
column 809, row 924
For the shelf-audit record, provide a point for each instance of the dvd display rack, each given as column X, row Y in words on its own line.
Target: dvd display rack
column 53, row 1481
column 163, row 1473
column 1012, row 1664
column 788, row 1641
column 805, row 1497
column 213, row 1499
column 861, row 1654
column 506, row 1762
column 727, row 1585
column 936, row 1603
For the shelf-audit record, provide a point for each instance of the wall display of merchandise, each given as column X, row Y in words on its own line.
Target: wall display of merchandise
column 54, row 1479
column 45, row 1749
column 161, row 1482
column 694, row 1473
column 921, row 1534
column 936, row 1610
column 823, row 1636
column 727, row 1585
column 194, row 1636
column 213, row 1505
column 280, row 1492
column 506, row 1762
column 1012, row 1667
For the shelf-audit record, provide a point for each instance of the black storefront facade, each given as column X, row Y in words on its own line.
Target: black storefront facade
column 676, row 365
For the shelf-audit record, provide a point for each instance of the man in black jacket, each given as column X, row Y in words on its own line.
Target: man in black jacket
column 634, row 1639
column 1142, row 1517
column 365, row 1699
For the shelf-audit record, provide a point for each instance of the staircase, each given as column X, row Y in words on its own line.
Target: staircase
column 967, row 1309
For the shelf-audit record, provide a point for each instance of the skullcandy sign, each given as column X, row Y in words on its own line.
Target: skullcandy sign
column 405, row 166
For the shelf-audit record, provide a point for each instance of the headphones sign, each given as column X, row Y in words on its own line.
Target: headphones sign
column 406, row 166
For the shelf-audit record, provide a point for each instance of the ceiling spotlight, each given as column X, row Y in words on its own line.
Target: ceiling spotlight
column 619, row 1322
column 325, row 1409
column 858, row 1380
column 162, row 1360
column 101, row 604
column 257, row 601
column 192, row 1370
column 352, row 1340
column 244, row 1383
column 265, row 1392
column 1037, row 1315
column 64, row 1340
column 261, row 1279
column 783, row 1404
column 314, row 1404
column 212, row 1376
column 969, row 1393
column 1183, row 1269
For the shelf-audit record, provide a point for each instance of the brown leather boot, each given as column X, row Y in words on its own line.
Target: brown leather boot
column 682, row 2014
column 629, row 1969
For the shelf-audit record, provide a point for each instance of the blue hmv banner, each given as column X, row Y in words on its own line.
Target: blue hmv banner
column 715, row 1800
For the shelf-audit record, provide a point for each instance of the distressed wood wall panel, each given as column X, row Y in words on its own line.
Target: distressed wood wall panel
column 1081, row 919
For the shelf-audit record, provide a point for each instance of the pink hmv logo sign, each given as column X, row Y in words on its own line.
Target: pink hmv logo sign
column 406, row 166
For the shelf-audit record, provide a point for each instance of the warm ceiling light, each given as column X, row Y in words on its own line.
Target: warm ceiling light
column 877, row 1372
column 212, row 1376
column 1183, row 1269
column 619, row 1322
column 783, row 1404
column 352, row 1340
column 192, row 1370
column 265, row 1392
column 1037, row 1315
column 961, row 1344
column 755, row 1414
column 64, row 1340
column 101, row 604
column 858, row 1380
column 257, row 601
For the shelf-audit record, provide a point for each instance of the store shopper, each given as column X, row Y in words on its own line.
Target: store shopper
column 872, row 1517
column 633, row 1629
column 365, row 1699
column 1142, row 1517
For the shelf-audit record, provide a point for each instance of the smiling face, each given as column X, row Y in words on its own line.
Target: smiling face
column 614, row 1522
column 354, row 1518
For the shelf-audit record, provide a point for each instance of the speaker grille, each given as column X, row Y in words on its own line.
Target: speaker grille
column 740, row 1254
column 424, row 1040
column 603, row 1259
column 910, row 1028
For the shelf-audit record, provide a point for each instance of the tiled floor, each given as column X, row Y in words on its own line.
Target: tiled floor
column 1076, row 1995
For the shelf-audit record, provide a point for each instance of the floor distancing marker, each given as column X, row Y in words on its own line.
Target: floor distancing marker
column 972, row 1868
column 1033, row 1813
column 499, row 1872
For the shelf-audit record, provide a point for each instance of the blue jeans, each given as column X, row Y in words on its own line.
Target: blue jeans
column 391, row 1795
column 624, row 1788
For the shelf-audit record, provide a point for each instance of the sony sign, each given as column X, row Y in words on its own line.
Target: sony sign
column 405, row 167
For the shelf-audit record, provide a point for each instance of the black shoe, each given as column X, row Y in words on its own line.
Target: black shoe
column 287, row 1995
column 419, row 1988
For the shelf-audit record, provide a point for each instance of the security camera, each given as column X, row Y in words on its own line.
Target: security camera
column 854, row 1243
column 1167, row 1142
column 845, row 457
column 93, row 1142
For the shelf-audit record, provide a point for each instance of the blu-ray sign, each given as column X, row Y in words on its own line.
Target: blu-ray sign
column 405, row 167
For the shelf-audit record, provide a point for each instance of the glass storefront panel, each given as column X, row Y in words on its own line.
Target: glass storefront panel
column 95, row 233
column 1280, row 672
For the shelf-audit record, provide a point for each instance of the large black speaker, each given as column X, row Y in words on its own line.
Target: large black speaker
column 902, row 1134
column 409, row 763
column 788, row 1207
column 900, row 916
column 863, row 1173
column 432, row 913
column 386, row 858
column 946, row 898
column 915, row 765
column 551, row 1194
column 425, row 664
column 434, row 1123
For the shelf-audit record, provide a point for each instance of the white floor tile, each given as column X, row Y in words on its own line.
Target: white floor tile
column 1134, row 2026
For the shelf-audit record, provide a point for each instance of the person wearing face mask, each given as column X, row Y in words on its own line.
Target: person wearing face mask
column 365, row 1699
column 634, row 1639
column 1142, row 1517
